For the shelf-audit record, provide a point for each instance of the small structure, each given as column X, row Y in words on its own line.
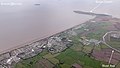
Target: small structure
column 85, row 41
column 13, row 59
column 117, row 36
column 114, row 37
column 94, row 41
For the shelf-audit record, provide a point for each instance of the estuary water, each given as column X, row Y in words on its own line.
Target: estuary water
column 22, row 21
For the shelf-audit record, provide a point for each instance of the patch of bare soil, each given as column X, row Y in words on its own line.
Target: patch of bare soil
column 105, row 54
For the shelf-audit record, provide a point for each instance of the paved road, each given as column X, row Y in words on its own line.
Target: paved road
column 108, row 44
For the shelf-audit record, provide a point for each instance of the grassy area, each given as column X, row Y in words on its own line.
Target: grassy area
column 98, row 34
column 103, row 46
column 75, row 40
column 70, row 57
column 115, row 44
column 97, row 29
column 30, row 62
column 51, row 58
column 43, row 63
column 118, row 65
column 77, row 46
column 73, row 54
column 87, row 49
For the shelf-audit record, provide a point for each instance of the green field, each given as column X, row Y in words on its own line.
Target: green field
column 64, row 59
column 70, row 57
column 77, row 53
column 115, row 44
column 30, row 62
column 51, row 58
column 118, row 65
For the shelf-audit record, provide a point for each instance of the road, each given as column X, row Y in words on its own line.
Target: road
column 108, row 44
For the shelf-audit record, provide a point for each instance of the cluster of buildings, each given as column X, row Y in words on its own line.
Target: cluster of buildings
column 7, row 60
column 86, row 41
column 53, row 44
column 115, row 37
column 58, row 44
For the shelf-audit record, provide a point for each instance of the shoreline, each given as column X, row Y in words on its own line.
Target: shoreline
column 39, row 39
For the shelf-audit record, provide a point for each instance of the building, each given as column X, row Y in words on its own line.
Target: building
column 114, row 37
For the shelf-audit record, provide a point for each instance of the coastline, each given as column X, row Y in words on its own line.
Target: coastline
column 39, row 39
